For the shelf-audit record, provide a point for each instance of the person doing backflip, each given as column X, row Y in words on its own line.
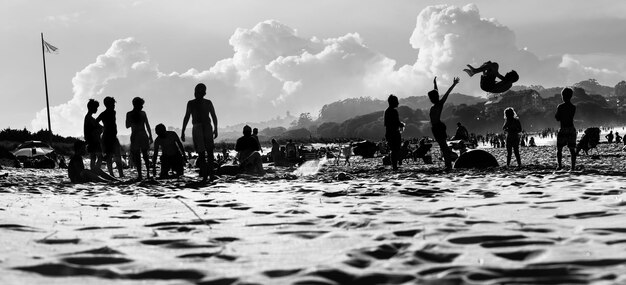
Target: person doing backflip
column 490, row 73
column 437, row 126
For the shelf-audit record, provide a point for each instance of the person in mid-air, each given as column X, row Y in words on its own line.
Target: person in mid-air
column 488, row 80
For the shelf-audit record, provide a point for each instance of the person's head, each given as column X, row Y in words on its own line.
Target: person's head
column 138, row 103
column 393, row 101
column 567, row 94
column 458, row 124
column 433, row 95
column 200, row 91
column 511, row 76
column 509, row 113
column 109, row 102
column 247, row 130
column 92, row 106
column 79, row 147
column 274, row 142
column 160, row 130
column 255, row 131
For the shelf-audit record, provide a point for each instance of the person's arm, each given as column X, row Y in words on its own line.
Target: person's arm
column 128, row 120
column 155, row 155
column 185, row 121
column 180, row 147
column 213, row 118
column 505, row 127
column 99, row 118
column 145, row 117
column 435, row 83
column 557, row 116
column 455, row 81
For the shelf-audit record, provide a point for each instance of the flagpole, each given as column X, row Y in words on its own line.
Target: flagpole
column 45, row 78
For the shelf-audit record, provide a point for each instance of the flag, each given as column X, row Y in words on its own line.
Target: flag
column 50, row 48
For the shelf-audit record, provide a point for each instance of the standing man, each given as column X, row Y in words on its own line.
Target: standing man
column 392, row 130
column 567, row 133
column 92, row 131
column 438, row 127
column 203, row 118
column 110, row 144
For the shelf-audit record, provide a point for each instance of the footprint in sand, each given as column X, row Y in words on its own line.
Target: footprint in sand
column 59, row 241
column 19, row 228
column 519, row 255
column 96, row 260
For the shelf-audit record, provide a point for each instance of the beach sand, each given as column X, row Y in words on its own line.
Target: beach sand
column 420, row 225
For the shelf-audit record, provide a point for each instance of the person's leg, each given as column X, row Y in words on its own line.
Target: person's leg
column 178, row 166
column 146, row 160
column 517, row 156
column 92, row 160
column 573, row 154
column 559, row 155
column 137, row 159
column 165, row 166
column 509, row 150
column 202, row 164
column 119, row 164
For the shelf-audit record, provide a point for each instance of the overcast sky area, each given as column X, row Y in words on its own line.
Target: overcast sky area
column 261, row 59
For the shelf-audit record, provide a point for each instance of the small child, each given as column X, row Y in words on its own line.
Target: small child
column 173, row 156
column 512, row 127
column 77, row 172
column 490, row 73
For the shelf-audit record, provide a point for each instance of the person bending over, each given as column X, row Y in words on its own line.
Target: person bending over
column 248, row 154
column 437, row 126
column 490, row 73
column 173, row 154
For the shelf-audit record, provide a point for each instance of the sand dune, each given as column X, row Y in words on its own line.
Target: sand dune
column 420, row 225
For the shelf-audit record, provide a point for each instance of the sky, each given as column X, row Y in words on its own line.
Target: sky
column 262, row 58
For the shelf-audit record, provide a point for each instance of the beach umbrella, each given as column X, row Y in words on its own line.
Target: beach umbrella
column 31, row 152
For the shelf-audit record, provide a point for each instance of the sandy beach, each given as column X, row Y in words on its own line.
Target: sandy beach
column 533, row 225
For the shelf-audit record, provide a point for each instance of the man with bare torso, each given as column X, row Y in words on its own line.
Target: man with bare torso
column 203, row 118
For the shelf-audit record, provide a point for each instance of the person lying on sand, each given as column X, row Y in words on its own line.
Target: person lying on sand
column 490, row 72
column 248, row 154
column 77, row 172
column 173, row 156
column 437, row 126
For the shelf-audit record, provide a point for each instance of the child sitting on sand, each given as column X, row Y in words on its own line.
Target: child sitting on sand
column 490, row 73
column 512, row 127
column 77, row 172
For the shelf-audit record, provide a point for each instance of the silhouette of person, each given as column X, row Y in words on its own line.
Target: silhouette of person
column 437, row 126
column 173, row 154
column 91, row 132
column 513, row 128
column 392, row 130
column 203, row 120
column 609, row 137
column 76, row 169
column 276, row 153
column 531, row 142
column 140, row 140
column 110, row 144
column 248, row 148
column 461, row 132
column 567, row 133
column 255, row 134
column 618, row 138
column 490, row 72
column 347, row 153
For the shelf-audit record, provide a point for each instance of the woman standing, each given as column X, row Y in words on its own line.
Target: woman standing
column 140, row 140
column 512, row 127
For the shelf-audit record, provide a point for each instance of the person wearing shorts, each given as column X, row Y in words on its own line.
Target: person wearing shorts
column 567, row 133
column 204, row 131
column 173, row 154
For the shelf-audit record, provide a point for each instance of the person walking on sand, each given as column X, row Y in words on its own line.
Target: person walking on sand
column 203, row 118
column 437, row 126
column 173, row 156
column 567, row 133
column 513, row 128
column 490, row 72
column 140, row 140
column 91, row 132
column 392, row 130
column 110, row 144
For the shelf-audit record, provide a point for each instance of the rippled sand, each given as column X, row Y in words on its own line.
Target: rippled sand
column 534, row 225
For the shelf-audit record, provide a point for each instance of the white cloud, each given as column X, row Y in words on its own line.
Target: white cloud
column 274, row 70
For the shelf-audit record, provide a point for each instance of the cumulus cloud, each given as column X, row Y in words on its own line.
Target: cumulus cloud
column 274, row 70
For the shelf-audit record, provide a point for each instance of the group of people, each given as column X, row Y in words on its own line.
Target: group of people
column 491, row 81
column 102, row 144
